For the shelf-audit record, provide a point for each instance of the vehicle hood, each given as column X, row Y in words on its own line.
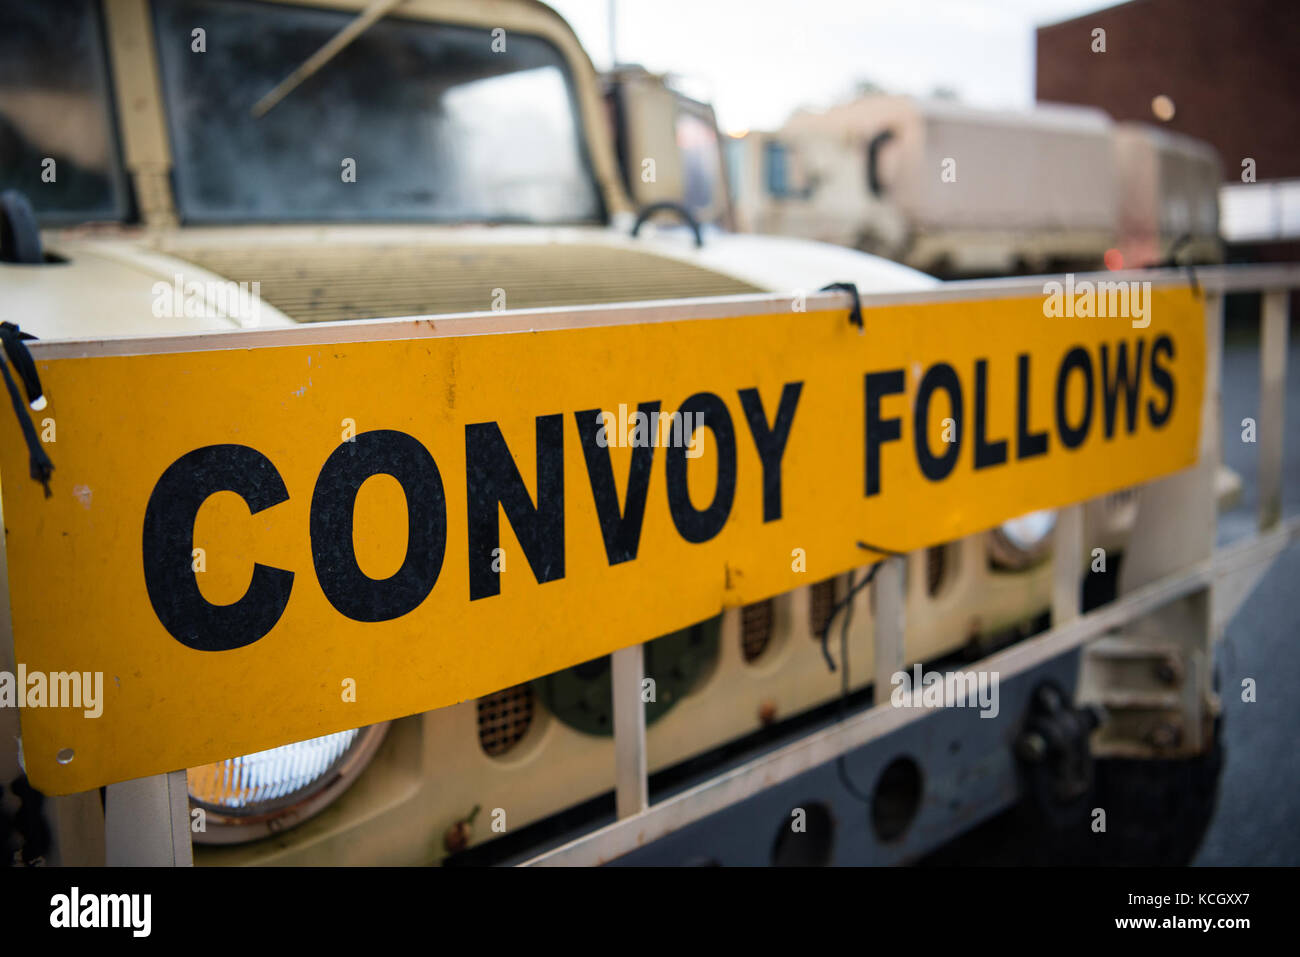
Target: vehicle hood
column 147, row 283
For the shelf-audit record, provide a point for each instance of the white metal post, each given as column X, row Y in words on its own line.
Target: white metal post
column 1176, row 527
column 1067, row 564
column 631, row 790
column 147, row 822
column 78, row 824
column 889, row 625
column 1272, row 404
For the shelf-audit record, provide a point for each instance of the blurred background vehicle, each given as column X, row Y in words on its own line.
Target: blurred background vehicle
column 961, row 192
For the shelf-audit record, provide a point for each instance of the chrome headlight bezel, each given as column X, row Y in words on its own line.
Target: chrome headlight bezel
column 226, row 825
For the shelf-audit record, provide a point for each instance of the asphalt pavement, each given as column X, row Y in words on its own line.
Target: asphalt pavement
column 1257, row 820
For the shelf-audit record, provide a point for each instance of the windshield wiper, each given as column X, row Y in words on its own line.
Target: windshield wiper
column 367, row 18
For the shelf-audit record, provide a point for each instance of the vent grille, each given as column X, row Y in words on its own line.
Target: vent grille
column 330, row 281
column 821, row 601
column 936, row 565
column 755, row 629
column 504, row 718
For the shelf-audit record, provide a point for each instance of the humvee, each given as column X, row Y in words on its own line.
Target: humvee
column 451, row 157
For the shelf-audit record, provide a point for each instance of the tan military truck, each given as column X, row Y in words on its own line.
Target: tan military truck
column 219, row 165
column 959, row 191
column 668, row 146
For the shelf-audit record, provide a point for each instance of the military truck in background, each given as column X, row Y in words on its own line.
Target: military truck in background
column 958, row 191
column 419, row 172
column 668, row 146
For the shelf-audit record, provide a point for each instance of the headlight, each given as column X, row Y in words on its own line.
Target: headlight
column 254, row 795
column 1023, row 541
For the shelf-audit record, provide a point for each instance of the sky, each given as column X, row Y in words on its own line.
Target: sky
column 759, row 60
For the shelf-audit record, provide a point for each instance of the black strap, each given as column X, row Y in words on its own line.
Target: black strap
column 845, row 603
column 855, row 311
column 1171, row 262
column 855, row 318
column 13, row 338
column 868, row 547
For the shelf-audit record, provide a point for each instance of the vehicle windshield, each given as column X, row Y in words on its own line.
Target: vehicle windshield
column 413, row 121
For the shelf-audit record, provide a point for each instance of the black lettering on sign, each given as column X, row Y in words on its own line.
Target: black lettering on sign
column 1028, row 443
column 878, row 430
column 169, row 544
column 1072, row 436
column 938, row 376
column 986, row 453
column 333, row 504
column 620, row 529
column 696, row 525
column 1162, row 380
column 771, row 442
column 1110, row 387
column 492, row 479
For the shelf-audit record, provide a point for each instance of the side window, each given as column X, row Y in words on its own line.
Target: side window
column 697, row 142
column 776, row 164
column 57, row 142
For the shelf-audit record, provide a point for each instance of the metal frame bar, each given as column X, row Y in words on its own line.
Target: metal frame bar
column 147, row 822
column 631, row 784
column 890, row 621
column 1067, row 564
column 1272, row 404
column 731, row 787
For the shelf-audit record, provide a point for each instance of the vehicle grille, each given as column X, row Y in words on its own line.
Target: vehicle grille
column 503, row 718
column 936, row 565
column 324, row 282
column 821, row 602
column 755, row 629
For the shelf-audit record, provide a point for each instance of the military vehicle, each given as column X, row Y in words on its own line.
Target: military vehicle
column 959, row 191
column 215, row 165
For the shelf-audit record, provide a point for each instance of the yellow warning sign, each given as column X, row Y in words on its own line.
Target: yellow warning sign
column 251, row 546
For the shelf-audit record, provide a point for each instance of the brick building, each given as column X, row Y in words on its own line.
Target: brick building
column 1231, row 68
column 1224, row 71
